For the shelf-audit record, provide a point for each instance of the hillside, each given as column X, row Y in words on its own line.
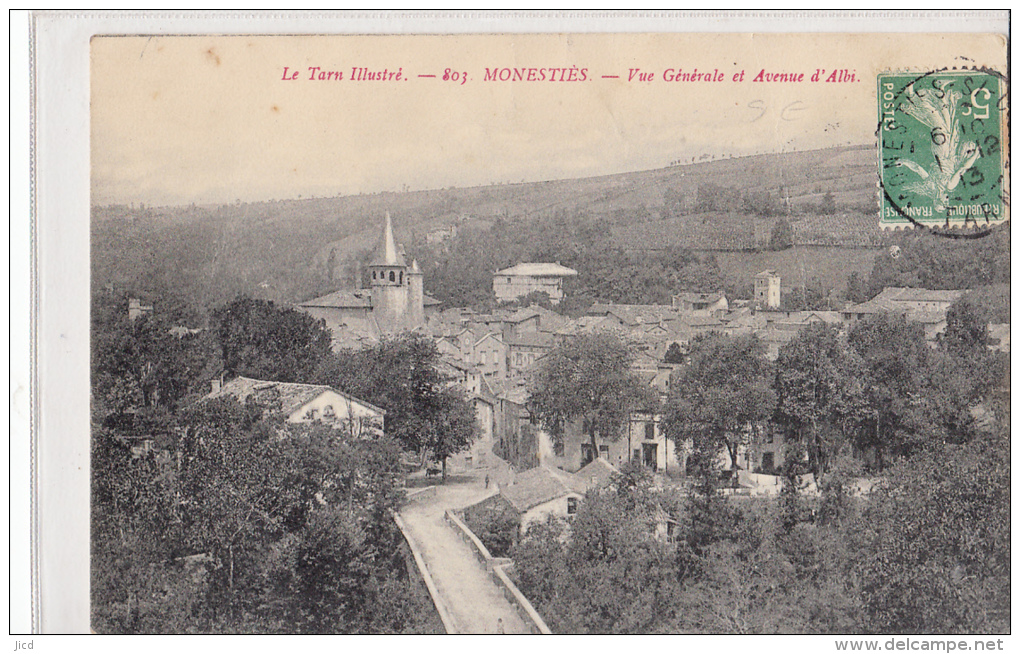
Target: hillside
column 281, row 249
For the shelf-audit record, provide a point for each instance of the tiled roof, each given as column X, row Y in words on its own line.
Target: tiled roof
column 828, row 317
column 540, row 485
column 711, row 298
column 546, row 318
column 587, row 325
column 902, row 294
column 597, row 473
column 533, row 339
column 539, row 270
column 360, row 299
column 292, row 396
column 875, row 306
column 702, row 321
column 636, row 314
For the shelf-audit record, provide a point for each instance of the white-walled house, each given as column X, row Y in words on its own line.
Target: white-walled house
column 648, row 445
column 307, row 404
column 524, row 278
column 533, row 496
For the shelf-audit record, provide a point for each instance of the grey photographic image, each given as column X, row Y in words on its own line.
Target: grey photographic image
column 562, row 333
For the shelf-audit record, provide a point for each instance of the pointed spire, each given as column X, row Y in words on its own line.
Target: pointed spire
column 388, row 254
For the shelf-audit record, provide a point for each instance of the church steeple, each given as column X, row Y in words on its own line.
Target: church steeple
column 389, row 282
column 387, row 254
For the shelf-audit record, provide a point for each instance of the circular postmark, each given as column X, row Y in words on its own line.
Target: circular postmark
column 944, row 162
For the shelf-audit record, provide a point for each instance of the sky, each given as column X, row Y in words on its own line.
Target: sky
column 211, row 119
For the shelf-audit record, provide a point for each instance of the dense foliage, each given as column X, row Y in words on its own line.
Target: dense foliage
column 927, row 552
column 924, row 259
column 587, row 378
column 209, row 516
column 424, row 413
column 459, row 271
column 724, row 390
column 263, row 341
column 245, row 524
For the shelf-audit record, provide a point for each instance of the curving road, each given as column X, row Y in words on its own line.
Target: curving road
column 475, row 603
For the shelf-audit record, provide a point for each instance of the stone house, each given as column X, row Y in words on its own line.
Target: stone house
column 515, row 282
column 307, row 404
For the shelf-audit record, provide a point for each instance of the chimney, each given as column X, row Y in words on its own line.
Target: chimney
column 217, row 384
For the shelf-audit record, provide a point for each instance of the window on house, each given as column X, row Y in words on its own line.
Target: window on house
column 650, row 431
column 373, row 274
column 558, row 448
column 770, row 436
column 328, row 412
column 587, row 456
column 401, row 277
column 571, row 505
column 604, row 451
column 393, row 277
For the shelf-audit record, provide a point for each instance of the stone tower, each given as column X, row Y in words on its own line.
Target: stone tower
column 389, row 283
column 767, row 290
column 415, row 297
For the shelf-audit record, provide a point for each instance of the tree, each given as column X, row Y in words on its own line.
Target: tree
column 936, row 553
column 896, row 359
column 674, row 354
column 721, row 395
column 258, row 339
column 828, row 204
column 423, row 412
column 139, row 364
column 856, row 288
column 820, row 392
column 759, row 202
column 782, row 235
column 929, row 260
column 245, row 524
column 966, row 328
column 587, row 377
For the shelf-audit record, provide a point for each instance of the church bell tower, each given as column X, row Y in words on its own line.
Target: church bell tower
column 389, row 283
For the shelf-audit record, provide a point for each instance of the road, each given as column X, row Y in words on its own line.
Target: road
column 476, row 604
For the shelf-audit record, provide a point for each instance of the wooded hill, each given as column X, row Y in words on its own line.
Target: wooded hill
column 289, row 250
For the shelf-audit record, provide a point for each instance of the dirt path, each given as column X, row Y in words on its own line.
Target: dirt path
column 475, row 602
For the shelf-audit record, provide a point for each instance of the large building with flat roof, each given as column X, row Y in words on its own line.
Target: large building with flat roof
column 512, row 283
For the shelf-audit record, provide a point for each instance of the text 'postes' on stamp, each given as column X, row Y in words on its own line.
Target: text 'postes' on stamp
column 941, row 142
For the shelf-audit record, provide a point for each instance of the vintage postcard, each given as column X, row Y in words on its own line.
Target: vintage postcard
column 552, row 333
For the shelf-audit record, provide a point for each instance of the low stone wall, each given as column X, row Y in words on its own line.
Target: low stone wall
column 497, row 567
column 444, row 612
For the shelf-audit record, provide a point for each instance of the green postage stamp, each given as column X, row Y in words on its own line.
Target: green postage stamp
column 943, row 146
